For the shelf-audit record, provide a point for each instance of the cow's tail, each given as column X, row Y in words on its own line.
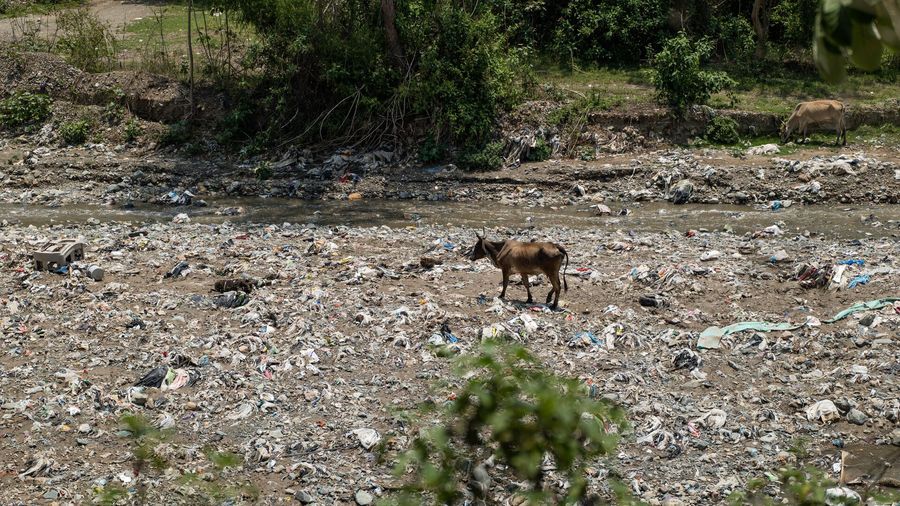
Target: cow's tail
column 565, row 283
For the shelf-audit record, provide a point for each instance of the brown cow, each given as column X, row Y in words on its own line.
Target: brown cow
column 821, row 112
column 514, row 257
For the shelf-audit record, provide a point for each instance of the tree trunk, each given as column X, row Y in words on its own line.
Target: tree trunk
column 395, row 50
column 761, row 26
column 190, row 46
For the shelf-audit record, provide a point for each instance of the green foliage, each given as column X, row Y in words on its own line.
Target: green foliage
column 263, row 171
column 466, row 73
column 738, row 41
column 799, row 487
column 677, row 75
column 520, row 412
column 487, row 157
column 540, row 152
column 85, row 40
column 790, row 21
column 132, row 130
column 176, row 134
column 722, row 130
column 328, row 73
column 854, row 30
column 24, row 110
column 611, row 31
column 75, row 132
column 431, row 150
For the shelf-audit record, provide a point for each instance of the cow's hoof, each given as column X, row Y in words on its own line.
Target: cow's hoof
column 529, row 301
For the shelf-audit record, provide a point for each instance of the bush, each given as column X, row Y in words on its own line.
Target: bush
column 519, row 412
column 75, row 132
column 610, row 31
column 176, row 134
column 678, row 78
column 737, row 40
column 431, row 151
column 722, row 130
column 540, row 152
column 331, row 74
column 85, row 40
column 487, row 157
column 23, row 109
column 132, row 130
column 263, row 171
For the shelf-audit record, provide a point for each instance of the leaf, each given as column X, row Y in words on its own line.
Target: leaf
column 865, row 52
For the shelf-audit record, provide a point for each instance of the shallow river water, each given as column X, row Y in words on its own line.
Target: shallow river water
column 841, row 222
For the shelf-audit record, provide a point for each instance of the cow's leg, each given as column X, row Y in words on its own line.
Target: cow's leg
column 505, row 283
column 554, row 280
column 527, row 288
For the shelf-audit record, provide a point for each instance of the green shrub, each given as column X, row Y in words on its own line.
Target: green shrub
column 132, row 130
column 75, row 132
column 678, row 77
column 431, row 151
column 263, row 171
column 610, row 31
column 328, row 74
column 176, row 134
column 24, row 110
column 513, row 409
column 738, row 41
column 487, row 157
column 85, row 40
column 722, row 130
column 540, row 152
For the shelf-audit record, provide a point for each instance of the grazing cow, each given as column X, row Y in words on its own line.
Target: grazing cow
column 818, row 112
column 514, row 257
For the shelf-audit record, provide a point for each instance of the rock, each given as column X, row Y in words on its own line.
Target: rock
column 765, row 149
column 682, row 192
column 710, row 255
column 603, row 210
column 857, row 417
column 579, row 190
column 84, row 428
column 355, row 196
column 367, row 438
column 304, row 497
column 363, row 498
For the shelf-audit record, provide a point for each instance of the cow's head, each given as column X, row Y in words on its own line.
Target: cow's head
column 783, row 130
column 478, row 251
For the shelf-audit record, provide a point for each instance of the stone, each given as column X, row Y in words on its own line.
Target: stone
column 857, row 417
column 363, row 498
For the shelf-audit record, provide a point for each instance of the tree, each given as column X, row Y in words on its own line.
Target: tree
column 857, row 31
column 395, row 50
column 760, row 19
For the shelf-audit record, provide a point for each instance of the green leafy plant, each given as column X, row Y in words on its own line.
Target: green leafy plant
column 431, row 150
column 86, row 41
column 24, row 110
column 610, row 31
column 487, row 157
column 522, row 414
column 132, row 130
column 678, row 77
column 854, row 30
column 176, row 134
column 540, row 152
column 75, row 132
column 263, row 171
column 722, row 130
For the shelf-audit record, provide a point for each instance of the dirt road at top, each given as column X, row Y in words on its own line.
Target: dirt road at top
column 114, row 13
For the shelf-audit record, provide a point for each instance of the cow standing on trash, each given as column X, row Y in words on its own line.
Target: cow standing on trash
column 525, row 258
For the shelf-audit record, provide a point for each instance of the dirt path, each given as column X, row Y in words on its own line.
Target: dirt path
column 116, row 14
